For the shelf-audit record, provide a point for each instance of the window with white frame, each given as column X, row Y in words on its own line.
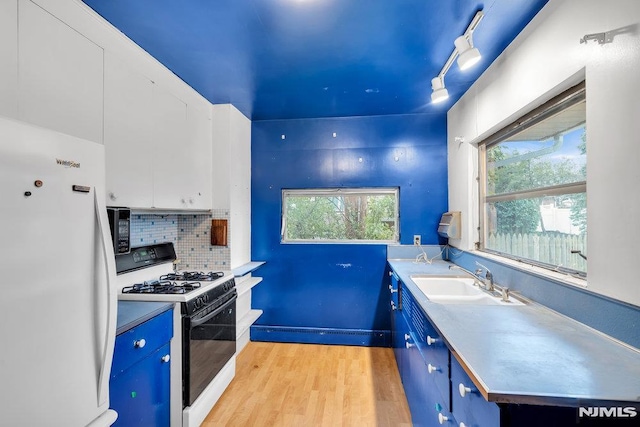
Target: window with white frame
column 340, row 215
column 534, row 186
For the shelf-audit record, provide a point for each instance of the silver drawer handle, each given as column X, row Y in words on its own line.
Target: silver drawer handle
column 431, row 341
column 166, row 358
column 140, row 343
column 431, row 368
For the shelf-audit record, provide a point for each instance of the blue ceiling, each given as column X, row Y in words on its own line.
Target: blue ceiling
column 286, row 59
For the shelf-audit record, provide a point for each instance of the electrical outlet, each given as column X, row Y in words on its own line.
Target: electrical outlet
column 416, row 239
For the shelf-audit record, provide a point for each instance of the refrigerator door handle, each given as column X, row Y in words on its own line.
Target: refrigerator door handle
column 110, row 268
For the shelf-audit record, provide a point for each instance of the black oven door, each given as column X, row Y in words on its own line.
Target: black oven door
column 209, row 342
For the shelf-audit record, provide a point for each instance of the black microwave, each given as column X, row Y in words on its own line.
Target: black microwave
column 120, row 223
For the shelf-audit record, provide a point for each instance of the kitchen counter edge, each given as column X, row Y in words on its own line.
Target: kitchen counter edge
column 134, row 313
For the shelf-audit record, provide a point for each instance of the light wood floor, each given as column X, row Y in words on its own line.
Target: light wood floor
column 307, row 385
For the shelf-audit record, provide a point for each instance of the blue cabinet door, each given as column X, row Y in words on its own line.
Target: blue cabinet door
column 414, row 381
column 140, row 394
column 468, row 405
column 397, row 338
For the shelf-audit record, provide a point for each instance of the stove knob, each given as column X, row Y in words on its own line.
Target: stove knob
column 205, row 298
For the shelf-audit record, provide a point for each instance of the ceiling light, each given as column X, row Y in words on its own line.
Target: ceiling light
column 440, row 93
column 467, row 54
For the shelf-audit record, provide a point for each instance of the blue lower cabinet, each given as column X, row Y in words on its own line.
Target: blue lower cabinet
column 140, row 395
column 139, row 387
column 468, row 405
column 413, row 380
column 440, row 393
column 428, row 406
column 397, row 338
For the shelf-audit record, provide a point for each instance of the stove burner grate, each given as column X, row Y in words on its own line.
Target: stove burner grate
column 193, row 275
column 162, row 286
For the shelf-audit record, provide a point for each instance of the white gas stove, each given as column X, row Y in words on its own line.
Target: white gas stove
column 204, row 342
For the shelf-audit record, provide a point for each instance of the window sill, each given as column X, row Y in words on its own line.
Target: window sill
column 534, row 269
column 338, row 242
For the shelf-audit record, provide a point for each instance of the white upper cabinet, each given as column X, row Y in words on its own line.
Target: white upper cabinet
column 64, row 68
column 9, row 61
column 199, row 146
column 171, row 161
column 60, row 75
column 128, row 103
column 158, row 148
column 182, row 154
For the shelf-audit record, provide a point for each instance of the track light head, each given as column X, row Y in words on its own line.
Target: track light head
column 467, row 54
column 440, row 93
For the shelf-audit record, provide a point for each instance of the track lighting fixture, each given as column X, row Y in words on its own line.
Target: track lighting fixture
column 440, row 93
column 467, row 56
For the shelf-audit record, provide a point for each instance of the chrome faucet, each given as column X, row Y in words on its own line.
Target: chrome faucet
column 476, row 274
column 488, row 277
column 486, row 282
column 505, row 294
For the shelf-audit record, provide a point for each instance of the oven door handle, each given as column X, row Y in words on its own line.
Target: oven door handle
column 215, row 312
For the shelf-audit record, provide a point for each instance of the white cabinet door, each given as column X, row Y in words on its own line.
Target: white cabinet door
column 199, row 146
column 158, row 150
column 171, row 159
column 60, row 75
column 128, row 106
column 9, row 61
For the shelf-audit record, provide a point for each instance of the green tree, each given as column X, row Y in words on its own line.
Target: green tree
column 380, row 218
column 579, row 206
column 511, row 171
column 513, row 216
column 340, row 217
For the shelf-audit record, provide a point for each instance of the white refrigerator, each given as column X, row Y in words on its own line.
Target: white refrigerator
column 57, row 296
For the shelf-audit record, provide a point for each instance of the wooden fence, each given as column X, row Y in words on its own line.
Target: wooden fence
column 551, row 249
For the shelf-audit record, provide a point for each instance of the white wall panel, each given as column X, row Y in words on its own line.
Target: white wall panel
column 232, row 177
column 60, row 75
column 9, row 55
column 90, row 24
column 545, row 59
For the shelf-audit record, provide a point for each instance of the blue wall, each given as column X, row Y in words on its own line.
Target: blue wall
column 335, row 293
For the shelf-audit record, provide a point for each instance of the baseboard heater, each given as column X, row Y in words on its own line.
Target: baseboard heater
column 359, row 337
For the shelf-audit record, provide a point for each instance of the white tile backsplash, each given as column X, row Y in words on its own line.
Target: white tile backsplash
column 190, row 235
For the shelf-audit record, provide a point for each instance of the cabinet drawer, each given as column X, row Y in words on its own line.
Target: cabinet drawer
column 432, row 349
column 137, row 343
column 394, row 290
column 141, row 394
column 471, row 409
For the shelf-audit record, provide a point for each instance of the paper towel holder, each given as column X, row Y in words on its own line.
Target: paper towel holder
column 449, row 226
